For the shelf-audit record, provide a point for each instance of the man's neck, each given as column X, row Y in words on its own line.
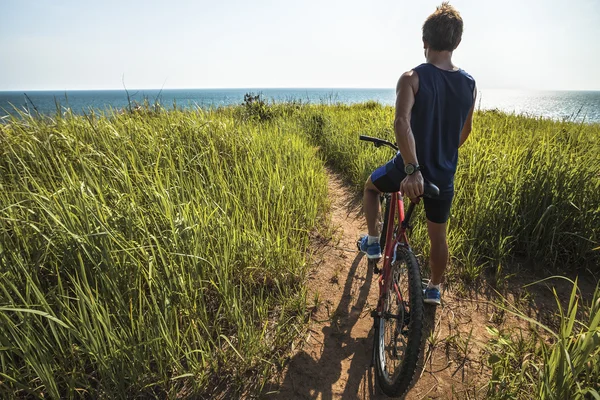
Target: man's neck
column 441, row 59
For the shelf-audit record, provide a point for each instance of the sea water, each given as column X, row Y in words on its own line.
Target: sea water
column 579, row 106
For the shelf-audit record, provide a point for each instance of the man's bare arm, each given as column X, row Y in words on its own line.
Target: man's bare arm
column 405, row 99
column 468, row 123
column 408, row 85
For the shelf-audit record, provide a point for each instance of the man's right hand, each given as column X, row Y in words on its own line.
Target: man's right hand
column 412, row 186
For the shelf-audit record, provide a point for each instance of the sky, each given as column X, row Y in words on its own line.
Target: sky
column 80, row 44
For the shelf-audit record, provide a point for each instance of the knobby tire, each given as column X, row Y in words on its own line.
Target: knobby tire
column 400, row 382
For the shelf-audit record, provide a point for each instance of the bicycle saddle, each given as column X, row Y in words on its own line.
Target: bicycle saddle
column 430, row 190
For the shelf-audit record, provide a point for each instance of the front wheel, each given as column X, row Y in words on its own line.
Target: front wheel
column 399, row 326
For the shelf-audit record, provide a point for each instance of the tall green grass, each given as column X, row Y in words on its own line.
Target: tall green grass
column 559, row 364
column 151, row 253
column 532, row 187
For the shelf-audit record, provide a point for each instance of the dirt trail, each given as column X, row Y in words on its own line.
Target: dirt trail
column 333, row 360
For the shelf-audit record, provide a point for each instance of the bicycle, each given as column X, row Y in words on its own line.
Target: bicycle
column 398, row 318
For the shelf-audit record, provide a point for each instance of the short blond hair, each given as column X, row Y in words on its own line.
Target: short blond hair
column 443, row 29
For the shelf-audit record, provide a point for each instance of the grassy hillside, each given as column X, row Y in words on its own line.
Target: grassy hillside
column 162, row 253
column 154, row 254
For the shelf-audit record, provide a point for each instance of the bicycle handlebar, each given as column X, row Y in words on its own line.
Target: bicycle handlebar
column 378, row 142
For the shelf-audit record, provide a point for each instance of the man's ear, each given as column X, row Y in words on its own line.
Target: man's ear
column 458, row 43
column 425, row 44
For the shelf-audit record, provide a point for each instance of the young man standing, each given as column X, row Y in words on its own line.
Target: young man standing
column 434, row 111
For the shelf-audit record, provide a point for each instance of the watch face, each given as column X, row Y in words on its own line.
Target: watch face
column 409, row 169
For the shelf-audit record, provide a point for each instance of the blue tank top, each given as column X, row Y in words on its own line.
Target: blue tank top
column 442, row 104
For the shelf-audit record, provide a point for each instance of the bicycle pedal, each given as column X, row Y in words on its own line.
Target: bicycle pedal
column 375, row 314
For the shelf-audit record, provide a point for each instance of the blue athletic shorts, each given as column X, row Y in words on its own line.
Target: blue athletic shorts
column 387, row 179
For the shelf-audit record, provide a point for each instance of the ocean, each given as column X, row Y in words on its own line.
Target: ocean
column 579, row 106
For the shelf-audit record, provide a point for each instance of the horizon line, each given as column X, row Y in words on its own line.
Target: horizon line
column 201, row 88
column 277, row 88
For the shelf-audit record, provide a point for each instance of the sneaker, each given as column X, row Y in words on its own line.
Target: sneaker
column 373, row 251
column 432, row 296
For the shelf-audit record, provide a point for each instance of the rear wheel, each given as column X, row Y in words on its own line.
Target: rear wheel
column 399, row 327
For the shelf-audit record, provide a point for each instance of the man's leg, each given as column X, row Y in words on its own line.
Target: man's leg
column 372, row 207
column 370, row 244
column 438, row 259
column 388, row 178
column 437, row 211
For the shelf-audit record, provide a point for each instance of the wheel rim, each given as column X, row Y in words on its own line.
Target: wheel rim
column 393, row 324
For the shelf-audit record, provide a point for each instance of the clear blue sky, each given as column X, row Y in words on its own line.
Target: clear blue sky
column 68, row 44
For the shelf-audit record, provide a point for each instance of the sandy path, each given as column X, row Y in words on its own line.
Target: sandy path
column 333, row 360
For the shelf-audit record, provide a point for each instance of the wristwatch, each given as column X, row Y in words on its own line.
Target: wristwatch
column 410, row 169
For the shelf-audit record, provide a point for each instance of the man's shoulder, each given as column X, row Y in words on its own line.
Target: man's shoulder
column 410, row 74
column 409, row 78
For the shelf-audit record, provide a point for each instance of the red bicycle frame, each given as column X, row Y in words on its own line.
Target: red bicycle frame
column 396, row 207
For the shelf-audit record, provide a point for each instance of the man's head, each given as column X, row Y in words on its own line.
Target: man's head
column 443, row 29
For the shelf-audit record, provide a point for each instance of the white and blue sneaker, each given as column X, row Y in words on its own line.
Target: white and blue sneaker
column 373, row 250
column 431, row 295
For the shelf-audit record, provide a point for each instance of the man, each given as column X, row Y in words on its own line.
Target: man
column 434, row 111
